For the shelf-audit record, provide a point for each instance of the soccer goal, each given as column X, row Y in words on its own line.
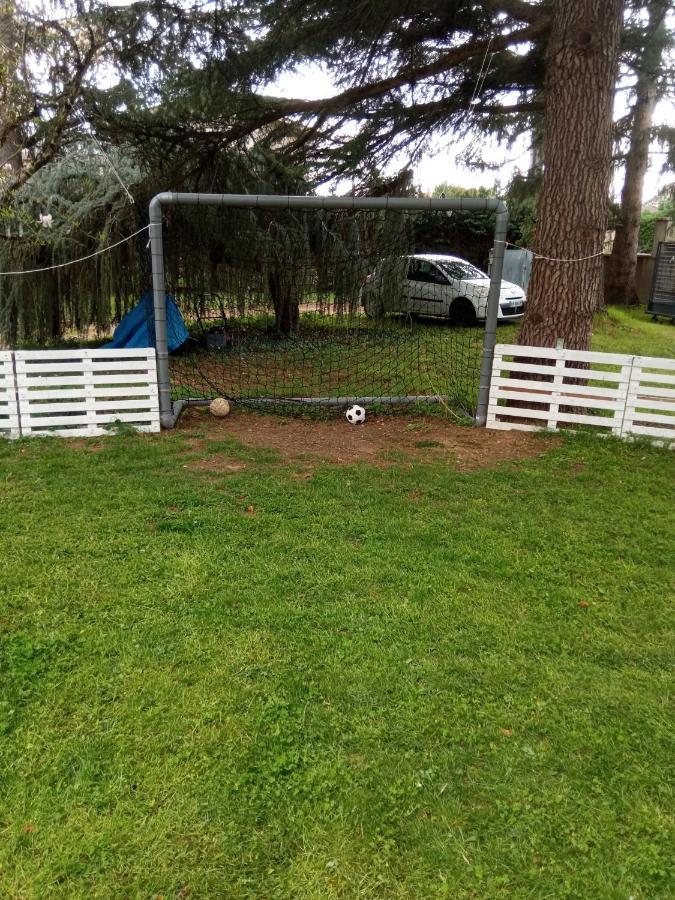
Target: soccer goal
column 297, row 302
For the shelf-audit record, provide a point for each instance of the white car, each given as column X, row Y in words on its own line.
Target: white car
column 432, row 284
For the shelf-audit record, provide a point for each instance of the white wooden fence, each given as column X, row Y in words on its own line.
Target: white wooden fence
column 9, row 410
column 78, row 393
column 541, row 387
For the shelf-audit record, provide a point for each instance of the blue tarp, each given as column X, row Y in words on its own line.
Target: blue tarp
column 137, row 328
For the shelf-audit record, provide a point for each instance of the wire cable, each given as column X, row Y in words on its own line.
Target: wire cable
column 72, row 262
column 478, row 85
column 95, row 140
column 552, row 258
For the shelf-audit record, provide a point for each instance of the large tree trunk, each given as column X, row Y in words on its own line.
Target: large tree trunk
column 620, row 277
column 537, row 159
column 10, row 139
column 285, row 300
column 581, row 67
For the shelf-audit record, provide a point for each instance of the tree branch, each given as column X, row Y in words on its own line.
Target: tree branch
column 518, row 9
column 411, row 75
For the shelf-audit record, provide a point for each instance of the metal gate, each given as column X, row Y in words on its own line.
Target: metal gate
column 662, row 295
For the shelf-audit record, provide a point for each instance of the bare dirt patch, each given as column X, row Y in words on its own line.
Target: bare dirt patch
column 381, row 441
column 84, row 444
column 215, row 463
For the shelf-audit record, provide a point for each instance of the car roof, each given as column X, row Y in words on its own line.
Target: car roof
column 432, row 257
column 439, row 257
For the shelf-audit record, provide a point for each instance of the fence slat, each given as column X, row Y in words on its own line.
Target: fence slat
column 635, row 415
column 77, row 379
column 544, row 415
column 646, row 379
column 652, row 404
column 85, row 417
column 586, row 356
column 131, row 365
column 586, row 374
column 555, row 399
column 91, row 431
column 100, row 392
column 648, row 392
column 665, row 434
column 600, row 392
column 654, row 362
column 93, row 353
column 89, row 404
column 9, row 410
column 513, row 426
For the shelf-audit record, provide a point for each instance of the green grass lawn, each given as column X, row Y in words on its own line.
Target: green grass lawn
column 622, row 330
column 403, row 682
column 400, row 359
column 631, row 330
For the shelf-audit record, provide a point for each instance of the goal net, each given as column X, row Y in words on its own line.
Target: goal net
column 314, row 308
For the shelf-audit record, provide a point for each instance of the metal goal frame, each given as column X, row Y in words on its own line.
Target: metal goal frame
column 169, row 411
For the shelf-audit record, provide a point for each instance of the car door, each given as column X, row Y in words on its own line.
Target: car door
column 427, row 288
column 468, row 282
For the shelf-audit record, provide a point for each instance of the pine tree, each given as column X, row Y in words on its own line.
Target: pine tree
column 50, row 66
column 581, row 69
column 651, row 84
column 10, row 133
column 404, row 72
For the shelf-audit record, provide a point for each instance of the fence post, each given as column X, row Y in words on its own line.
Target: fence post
column 89, row 398
column 490, row 338
column 15, row 393
column 625, row 425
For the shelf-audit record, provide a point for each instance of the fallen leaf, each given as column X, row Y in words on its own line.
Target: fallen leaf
column 583, row 604
column 507, row 732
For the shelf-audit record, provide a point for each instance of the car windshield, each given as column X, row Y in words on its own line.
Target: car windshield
column 460, row 269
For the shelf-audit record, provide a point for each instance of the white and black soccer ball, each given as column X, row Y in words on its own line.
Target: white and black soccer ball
column 356, row 415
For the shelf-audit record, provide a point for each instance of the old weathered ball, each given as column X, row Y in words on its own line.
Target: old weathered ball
column 219, row 407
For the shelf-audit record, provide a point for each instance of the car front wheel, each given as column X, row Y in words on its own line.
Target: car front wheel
column 462, row 313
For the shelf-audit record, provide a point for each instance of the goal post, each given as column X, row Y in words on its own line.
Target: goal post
column 169, row 410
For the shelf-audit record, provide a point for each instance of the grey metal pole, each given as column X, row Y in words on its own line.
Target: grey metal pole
column 490, row 338
column 159, row 301
column 283, row 201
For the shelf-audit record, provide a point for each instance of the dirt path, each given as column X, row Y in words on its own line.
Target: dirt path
column 380, row 441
